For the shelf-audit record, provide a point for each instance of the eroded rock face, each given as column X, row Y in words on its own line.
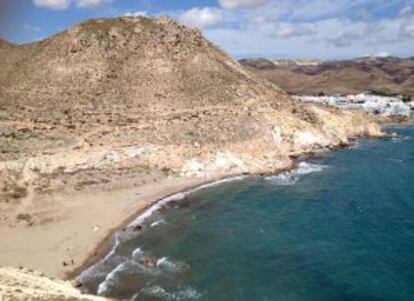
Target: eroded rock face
column 117, row 94
column 24, row 284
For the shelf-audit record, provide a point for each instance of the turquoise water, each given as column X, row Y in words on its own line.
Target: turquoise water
column 340, row 228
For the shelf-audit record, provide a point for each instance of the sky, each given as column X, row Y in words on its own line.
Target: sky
column 277, row 29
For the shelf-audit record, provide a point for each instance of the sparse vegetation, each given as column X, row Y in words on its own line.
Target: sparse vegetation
column 24, row 217
column 16, row 192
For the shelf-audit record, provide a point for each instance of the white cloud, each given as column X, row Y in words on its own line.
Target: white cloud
column 91, row 3
column 202, row 17
column 354, row 38
column 290, row 31
column 52, row 4
column 64, row 4
column 406, row 11
column 407, row 30
column 29, row 27
column 235, row 4
column 377, row 54
column 381, row 54
column 136, row 14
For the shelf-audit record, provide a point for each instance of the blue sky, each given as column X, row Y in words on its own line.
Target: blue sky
column 314, row 29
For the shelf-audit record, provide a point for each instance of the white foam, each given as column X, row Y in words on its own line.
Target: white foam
column 291, row 177
column 219, row 182
column 100, row 267
column 141, row 219
column 170, row 266
column 158, row 222
column 158, row 291
column 110, row 279
column 355, row 145
column 138, row 254
column 400, row 138
column 178, row 196
column 306, row 168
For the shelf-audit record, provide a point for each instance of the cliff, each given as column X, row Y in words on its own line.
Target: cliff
column 23, row 284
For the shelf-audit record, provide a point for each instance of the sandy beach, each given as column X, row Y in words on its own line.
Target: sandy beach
column 81, row 222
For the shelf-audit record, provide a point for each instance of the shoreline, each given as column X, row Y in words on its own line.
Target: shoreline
column 107, row 243
column 109, row 208
column 77, row 227
column 105, row 246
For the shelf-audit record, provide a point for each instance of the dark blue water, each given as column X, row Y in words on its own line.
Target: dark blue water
column 343, row 232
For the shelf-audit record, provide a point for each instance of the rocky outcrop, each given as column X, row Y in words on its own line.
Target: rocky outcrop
column 24, row 284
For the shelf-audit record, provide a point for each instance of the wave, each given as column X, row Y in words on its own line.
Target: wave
column 171, row 266
column 158, row 222
column 138, row 254
column 356, row 145
column 159, row 292
column 291, row 177
column 140, row 263
column 400, row 139
column 178, row 196
column 112, row 278
column 103, row 270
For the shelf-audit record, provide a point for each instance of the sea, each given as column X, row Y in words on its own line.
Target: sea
column 338, row 227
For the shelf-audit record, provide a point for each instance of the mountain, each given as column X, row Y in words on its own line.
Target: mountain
column 4, row 44
column 384, row 75
column 152, row 81
column 91, row 114
column 96, row 118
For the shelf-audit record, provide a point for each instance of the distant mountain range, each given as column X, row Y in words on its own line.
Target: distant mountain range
column 382, row 75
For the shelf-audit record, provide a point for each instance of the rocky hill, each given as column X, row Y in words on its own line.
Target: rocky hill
column 143, row 82
column 383, row 75
column 118, row 104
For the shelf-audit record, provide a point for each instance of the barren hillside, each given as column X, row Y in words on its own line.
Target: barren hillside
column 388, row 75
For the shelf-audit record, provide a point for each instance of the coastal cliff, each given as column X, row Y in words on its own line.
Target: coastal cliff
column 23, row 284
column 101, row 120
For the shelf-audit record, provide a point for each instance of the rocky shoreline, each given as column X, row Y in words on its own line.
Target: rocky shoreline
column 132, row 223
column 107, row 243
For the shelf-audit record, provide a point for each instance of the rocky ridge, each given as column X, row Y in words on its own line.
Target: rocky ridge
column 379, row 75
